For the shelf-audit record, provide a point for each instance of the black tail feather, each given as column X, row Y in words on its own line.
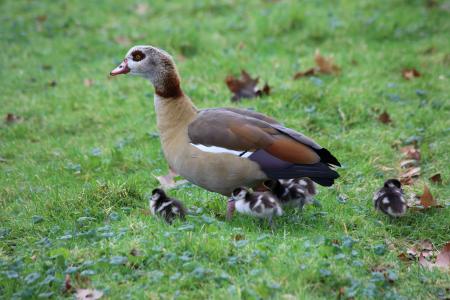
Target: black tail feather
column 323, row 181
column 320, row 173
column 327, row 157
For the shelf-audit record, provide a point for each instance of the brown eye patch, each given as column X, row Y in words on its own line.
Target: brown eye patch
column 137, row 55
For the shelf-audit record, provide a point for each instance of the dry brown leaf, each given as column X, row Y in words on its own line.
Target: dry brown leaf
column 123, row 41
column 88, row 82
column 408, row 163
column 411, row 173
column 436, row 178
column 411, row 152
column 409, row 74
column 443, row 258
column 407, row 181
column 420, row 249
column 11, row 118
column 403, row 257
column 384, row 118
column 309, row 72
column 67, row 284
column 325, row 64
column 385, row 168
column 245, row 86
column 142, row 9
column 168, row 181
column 88, row 294
column 424, row 262
column 427, row 200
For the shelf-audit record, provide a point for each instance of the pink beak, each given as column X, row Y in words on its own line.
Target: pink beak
column 121, row 69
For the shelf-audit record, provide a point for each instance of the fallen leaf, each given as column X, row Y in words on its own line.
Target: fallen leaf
column 427, row 200
column 384, row 118
column 88, row 82
column 168, row 181
column 88, row 294
column 410, row 174
column 425, row 245
column 409, row 163
column 407, row 181
column 385, row 168
column 421, row 249
column 67, row 283
column 309, row 72
column 123, row 41
column 424, row 262
column 142, row 9
column 436, row 178
column 325, row 64
column 245, row 86
column 411, row 152
column 443, row 258
column 409, row 74
column 11, row 118
column 403, row 257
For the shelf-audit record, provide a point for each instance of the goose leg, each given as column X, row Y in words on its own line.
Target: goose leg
column 231, row 207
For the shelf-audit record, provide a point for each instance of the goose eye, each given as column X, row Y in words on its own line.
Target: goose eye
column 138, row 55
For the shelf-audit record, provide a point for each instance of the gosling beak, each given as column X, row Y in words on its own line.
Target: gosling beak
column 121, row 69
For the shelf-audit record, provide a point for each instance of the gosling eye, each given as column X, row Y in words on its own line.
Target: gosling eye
column 137, row 55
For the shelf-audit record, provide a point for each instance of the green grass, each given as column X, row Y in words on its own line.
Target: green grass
column 92, row 151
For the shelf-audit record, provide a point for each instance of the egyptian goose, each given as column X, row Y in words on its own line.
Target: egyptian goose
column 263, row 205
column 168, row 208
column 389, row 199
column 220, row 149
column 293, row 192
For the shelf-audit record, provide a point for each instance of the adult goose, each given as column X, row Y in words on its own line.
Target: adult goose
column 220, row 149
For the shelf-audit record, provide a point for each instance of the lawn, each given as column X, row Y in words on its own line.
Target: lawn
column 80, row 155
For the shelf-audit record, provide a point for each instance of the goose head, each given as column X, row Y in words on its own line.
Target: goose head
column 154, row 64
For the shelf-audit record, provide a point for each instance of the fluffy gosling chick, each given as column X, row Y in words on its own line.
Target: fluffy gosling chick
column 293, row 192
column 262, row 205
column 168, row 208
column 389, row 199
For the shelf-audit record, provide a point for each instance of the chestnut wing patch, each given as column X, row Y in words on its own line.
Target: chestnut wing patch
column 228, row 129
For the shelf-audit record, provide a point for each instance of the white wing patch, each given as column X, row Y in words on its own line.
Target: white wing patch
column 215, row 149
